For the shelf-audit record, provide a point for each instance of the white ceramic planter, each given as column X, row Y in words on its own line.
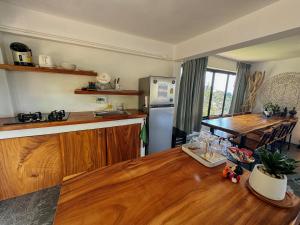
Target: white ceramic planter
column 270, row 187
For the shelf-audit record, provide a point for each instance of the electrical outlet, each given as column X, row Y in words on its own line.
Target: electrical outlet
column 101, row 100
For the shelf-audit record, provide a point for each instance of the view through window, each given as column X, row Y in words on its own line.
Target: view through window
column 219, row 86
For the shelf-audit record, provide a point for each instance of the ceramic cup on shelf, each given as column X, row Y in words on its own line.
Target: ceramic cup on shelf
column 45, row 61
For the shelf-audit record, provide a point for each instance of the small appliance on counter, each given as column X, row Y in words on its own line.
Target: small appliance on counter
column 157, row 101
column 38, row 117
column 22, row 55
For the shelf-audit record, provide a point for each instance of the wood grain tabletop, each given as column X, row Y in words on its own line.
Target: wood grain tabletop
column 243, row 124
column 165, row 188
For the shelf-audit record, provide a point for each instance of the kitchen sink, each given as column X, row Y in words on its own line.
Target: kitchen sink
column 110, row 113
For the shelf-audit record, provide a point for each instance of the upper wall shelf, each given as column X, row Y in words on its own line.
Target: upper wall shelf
column 10, row 67
column 108, row 92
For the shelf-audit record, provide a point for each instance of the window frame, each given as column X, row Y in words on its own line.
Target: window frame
column 214, row 71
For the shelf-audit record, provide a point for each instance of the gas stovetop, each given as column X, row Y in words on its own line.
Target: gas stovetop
column 36, row 117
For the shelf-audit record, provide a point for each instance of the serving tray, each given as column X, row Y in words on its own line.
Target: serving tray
column 195, row 151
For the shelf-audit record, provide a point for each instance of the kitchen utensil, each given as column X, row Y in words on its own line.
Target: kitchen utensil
column 117, row 84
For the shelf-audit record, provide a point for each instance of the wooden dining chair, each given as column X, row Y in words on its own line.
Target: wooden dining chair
column 280, row 137
column 285, row 127
column 291, row 128
column 276, row 133
column 254, row 141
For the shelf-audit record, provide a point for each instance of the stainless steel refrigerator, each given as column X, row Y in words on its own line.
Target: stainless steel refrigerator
column 157, row 99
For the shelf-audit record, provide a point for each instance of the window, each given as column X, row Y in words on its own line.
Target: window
column 219, row 86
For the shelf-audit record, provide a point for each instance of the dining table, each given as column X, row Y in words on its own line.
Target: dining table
column 241, row 125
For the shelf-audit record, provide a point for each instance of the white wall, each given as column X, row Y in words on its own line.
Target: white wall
column 46, row 92
column 221, row 63
column 273, row 21
column 18, row 20
column 261, row 25
column 5, row 99
column 274, row 68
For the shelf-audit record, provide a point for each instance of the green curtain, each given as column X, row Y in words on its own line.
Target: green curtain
column 243, row 70
column 191, row 94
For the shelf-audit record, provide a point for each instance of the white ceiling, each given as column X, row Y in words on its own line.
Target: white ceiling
column 279, row 49
column 170, row 21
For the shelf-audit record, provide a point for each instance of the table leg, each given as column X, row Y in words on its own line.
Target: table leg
column 212, row 130
column 243, row 141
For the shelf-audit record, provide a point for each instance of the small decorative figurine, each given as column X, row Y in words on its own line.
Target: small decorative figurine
column 293, row 112
column 241, row 155
column 284, row 112
column 233, row 173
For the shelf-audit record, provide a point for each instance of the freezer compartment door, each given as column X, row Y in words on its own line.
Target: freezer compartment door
column 160, row 129
column 162, row 90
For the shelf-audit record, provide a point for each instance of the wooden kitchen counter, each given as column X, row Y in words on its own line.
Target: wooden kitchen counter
column 165, row 188
column 74, row 118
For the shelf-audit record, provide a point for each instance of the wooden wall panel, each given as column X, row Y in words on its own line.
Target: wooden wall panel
column 29, row 164
column 83, row 151
column 123, row 143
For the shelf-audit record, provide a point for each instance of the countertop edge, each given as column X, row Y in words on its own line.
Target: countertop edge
column 75, row 118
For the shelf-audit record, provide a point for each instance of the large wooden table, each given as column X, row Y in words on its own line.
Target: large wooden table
column 165, row 188
column 243, row 124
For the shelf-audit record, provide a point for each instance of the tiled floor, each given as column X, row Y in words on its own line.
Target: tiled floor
column 36, row 208
column 294, row 180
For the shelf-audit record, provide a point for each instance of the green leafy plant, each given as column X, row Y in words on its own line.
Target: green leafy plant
column 268, row 107
column 276, row 109
column 276, row 163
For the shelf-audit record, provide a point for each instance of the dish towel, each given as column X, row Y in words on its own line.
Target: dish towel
column 143, row 134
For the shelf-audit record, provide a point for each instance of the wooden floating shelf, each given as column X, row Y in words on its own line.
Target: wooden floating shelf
column 10, row 67
column 108, row 92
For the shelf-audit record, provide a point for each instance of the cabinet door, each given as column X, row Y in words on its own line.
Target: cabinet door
column 83, row 150
column 29, row 164
column 123, row 143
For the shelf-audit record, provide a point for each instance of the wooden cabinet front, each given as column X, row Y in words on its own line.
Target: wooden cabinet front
column 83, row 151
column 29, row 164
column 123, row 143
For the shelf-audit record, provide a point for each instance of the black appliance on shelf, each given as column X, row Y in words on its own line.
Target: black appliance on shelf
column 36, row 117
column 22, row 55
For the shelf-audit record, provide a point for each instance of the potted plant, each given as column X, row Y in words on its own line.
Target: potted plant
column 293, row 112
column 276, row 109
column 268, row 109
column 269, row 178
